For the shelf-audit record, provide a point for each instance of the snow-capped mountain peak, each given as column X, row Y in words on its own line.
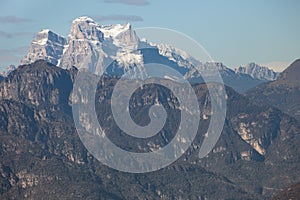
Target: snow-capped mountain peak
column 89, row 39
column 84, row 28
column 94, row 46
column 257, row 72
column 83, row 19
column 46, row 35
column 46, row 45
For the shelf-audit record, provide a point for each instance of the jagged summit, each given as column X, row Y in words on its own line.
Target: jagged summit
column 258, row 72
column 100, row 44
column 109, row 31
column 46, row 45
column 47, row 36
column 85, row 28
column 86, row 38
column 83, row 19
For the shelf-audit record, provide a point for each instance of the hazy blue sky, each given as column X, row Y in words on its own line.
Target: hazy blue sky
column 233, row 31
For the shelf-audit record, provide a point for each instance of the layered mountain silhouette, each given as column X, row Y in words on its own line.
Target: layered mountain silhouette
column 284, row 93
column 42, row 156
column 119, row 47
column 256, row 156
column 258, row 72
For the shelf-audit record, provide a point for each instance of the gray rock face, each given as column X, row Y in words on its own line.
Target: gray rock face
column 48, row 46
column 94, row 46
column 83, row 40
column 40, row 91
column 85, row 28
column 258, row 72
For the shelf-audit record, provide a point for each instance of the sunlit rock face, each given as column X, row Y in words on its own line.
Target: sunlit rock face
column 46, row 45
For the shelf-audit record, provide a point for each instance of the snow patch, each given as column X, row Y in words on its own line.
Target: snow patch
column 44, row 31
column 128, row 59
column 112, row 31
column 41, row 42
column 83, row 19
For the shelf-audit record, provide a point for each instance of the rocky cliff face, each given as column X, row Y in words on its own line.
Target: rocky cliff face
column 41, row 152
column 85, row 40
column 40, row 85
column 251, row 146
column 48, row 46
column 95, row 47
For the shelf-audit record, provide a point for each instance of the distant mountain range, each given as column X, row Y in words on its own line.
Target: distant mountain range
column 42, row 156
column 258, row 72
column 284, row 93
column 88, row 38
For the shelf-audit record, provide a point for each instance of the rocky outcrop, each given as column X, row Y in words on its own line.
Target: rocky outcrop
column 46, row 45
column 38, row 84
column 95, row 47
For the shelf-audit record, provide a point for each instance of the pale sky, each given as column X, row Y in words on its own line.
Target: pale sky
column 234, row 32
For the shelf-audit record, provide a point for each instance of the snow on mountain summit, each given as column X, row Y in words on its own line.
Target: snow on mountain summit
column 89, row 27
column 100, row 43
column 83, row 19
column 46, row 45
column 93, row 46
column 258, row 72
column 84, row 28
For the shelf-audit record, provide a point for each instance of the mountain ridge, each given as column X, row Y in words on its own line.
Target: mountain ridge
column 240, row 162
column 283, row 93
column 258, row 72
column 101, row 45
column 58, row 157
